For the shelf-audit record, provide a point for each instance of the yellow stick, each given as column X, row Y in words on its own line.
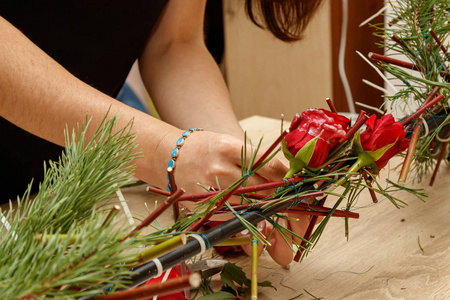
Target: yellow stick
column 61, row 237
column 160, row 249
column 254, row 284
column 239, row 241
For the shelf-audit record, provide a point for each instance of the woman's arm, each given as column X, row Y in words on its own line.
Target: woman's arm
column 41, row 97
column 181, row 76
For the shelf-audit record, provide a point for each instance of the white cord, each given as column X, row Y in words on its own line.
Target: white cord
column 166, row 276
column 200, row 240
column 441, row 139
column 425, row 126
column 341, row 61
column 159, row 266
column 373, row 17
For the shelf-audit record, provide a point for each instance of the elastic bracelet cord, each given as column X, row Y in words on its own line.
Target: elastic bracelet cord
column 176, row 150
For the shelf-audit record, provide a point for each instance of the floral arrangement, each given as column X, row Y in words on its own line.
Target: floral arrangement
column 79, row 248
column 85, row 254
column 325, row 152
column 417, row 33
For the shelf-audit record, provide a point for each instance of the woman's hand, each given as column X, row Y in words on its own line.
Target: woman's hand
column 206, row 156
column 281, row 250
column 209, row 159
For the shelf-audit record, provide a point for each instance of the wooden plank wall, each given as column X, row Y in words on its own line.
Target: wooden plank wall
column 268, row 77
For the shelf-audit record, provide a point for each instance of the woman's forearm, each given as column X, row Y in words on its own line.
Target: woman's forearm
column 189, row 90
column 41, row 97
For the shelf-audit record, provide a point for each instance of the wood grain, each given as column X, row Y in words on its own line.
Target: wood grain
column 391, row 253
column 382, row 259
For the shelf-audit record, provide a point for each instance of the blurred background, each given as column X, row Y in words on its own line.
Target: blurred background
column 268, row 77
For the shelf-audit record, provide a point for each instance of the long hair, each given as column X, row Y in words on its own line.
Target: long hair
column 285, row 19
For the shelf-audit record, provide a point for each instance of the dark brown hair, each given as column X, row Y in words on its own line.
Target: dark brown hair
column 285, row 19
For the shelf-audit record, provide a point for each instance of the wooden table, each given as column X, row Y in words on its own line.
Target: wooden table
column 391, row 253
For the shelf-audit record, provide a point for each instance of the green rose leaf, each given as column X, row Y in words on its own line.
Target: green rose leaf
column 231, row 273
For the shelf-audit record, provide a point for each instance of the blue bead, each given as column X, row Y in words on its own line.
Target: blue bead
column 186, row 133
column 174, row 152
column 168, row 187
column 171, row 163
column 180, row 142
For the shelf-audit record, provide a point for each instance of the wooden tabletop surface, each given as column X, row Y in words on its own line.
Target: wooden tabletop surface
column 391, row 253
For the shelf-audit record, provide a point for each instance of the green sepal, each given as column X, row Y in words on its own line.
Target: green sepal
column 307, row 150
column 357, row 146
column 286, row 152
column 375, row 155
column 295, row 164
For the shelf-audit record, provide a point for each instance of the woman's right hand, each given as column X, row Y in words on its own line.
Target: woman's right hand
column 209, row 159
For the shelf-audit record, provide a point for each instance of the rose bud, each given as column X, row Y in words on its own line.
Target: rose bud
column 386, row 134
column 382, row 139
column 312, row 135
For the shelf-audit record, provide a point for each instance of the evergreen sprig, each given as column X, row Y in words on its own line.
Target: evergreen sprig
column 415, row 29
column 71, row 201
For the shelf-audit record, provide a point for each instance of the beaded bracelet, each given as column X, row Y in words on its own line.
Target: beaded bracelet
column 176, row 150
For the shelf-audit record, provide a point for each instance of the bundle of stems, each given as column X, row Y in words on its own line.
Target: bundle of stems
column 418, row 33
column 304, row 194
column 67, row 243
column 88, row 250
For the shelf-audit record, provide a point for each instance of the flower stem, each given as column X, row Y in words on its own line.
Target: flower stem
column 409, row 154
column 331, row 105
column 368, row 181
column 438, row 162
column 308, row 232
column 238, row 241
column 159, row 249
column 360, row 162
column 268, row 151
column 324, row 211
column 422, row 110
column 243, row 190
column 146, row 291
column 254, row 279
column 351, row 132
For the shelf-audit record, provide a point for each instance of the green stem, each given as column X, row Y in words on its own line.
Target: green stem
column 295, row 166
column 363, row 160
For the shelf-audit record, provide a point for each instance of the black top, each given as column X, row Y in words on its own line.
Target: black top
column 95, row 40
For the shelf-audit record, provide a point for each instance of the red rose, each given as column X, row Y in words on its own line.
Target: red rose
column 382, row 133
column 317, row 129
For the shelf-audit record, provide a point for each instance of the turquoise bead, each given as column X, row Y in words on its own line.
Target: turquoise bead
column 174, row 152
column 171, row 163
column 186, row 133
column 180, row 142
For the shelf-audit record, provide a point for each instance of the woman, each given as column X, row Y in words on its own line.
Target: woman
column 60, row 62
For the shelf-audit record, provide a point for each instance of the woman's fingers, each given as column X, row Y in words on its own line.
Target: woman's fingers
column 299, row 225
column 248, row 248
column 273, row 170
column 280, row 249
